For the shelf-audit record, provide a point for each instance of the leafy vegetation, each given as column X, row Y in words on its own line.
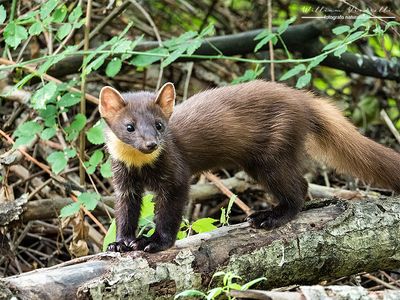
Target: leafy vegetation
column 229, row 283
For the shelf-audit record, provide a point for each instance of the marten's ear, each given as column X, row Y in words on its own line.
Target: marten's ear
column 166, row 98
column 110, row 102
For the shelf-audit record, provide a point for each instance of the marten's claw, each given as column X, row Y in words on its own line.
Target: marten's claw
column 151, row 244
column 268, row 219
column 121, row 246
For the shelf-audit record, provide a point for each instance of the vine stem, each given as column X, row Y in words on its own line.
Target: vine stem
column 82, row 136
column 193, row 56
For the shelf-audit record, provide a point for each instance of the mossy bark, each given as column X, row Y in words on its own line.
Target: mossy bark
column 337, row 239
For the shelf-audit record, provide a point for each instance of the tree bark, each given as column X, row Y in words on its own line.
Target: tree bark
column 339, row 239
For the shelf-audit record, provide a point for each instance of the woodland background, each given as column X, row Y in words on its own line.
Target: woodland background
column 56, row 197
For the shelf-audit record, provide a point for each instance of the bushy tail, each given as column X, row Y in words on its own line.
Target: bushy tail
column 335, row 141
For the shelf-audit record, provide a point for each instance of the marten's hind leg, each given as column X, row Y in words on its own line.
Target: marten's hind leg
column 287, row 184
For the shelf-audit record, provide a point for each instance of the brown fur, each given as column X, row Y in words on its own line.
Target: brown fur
column 263, row 127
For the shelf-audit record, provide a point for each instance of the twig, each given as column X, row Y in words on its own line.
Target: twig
column 90, row 98
column 390, row 124
column 156, row 33
column 111, row 16
column 187, row 80
column 38, row 189
column 82, row 136
column 214, row 179
column 27, row 155
column 270, row 45
column 384, row 283
column 94, row 219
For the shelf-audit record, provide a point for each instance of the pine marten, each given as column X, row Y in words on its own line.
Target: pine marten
column 265, row 128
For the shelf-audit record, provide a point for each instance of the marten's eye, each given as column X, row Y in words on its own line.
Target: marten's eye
column 130, row 127
column 159, row 126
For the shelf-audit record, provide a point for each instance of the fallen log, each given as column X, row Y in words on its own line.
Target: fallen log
column 342, row 238
column 50, row 208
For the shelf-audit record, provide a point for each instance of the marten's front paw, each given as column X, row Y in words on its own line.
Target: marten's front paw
column 123, row 245
column 152, row 244
column 268, row 219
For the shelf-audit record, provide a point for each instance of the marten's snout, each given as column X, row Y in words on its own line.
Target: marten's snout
column 151, row 145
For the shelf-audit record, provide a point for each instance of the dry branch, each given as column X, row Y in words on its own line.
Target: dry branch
column 327, row 242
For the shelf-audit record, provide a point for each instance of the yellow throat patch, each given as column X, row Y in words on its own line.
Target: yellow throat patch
column 129, row 155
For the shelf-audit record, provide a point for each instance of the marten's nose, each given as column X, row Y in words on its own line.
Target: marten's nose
column 152, row 145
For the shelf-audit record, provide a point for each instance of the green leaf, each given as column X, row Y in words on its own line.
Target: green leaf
column 36, row 28
column 122, row 46
column 28, row 129
column 341, row 29
column 58, row 161
column 70, row 152
column 339, row 51
column 97, row 63
column 292, row 72
column 69, row 210
column 222, row 218
column 111, row 235
column 303, row 80
column 89, row 200
column 69, row 99
column 14, row 34
column 75, row 15
column 174, row 56
column 113, row 67
column 355, row 35
column 388, row 24
column 190, row 293
column 60, row 14
column 147, row 208
column 143, row 60
column 48, row 133
column 248, row 75
column 79, row 122
column 282, row 28
column 208, row 30
column 361, row 20
column 96, row 157
column 47, row 7
column 23, row 140
column 264, row 41
column 181, row 235
column 262, row 34
column 316, row 61
column 3, row 14
column 43, row 95
column 95, row 134
column 193, row 46
column 251, row 283
column 105, row 169
column 178, row 42
column 76, row 126
column 63, row 31
column 213, row 293
column 332, row 45
column 204, row 225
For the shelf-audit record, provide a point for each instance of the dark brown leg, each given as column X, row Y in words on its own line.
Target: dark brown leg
column 169, row 209
column 128, row 194
column 288, row 186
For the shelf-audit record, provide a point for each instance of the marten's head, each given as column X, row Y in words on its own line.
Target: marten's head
column 138, row 122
